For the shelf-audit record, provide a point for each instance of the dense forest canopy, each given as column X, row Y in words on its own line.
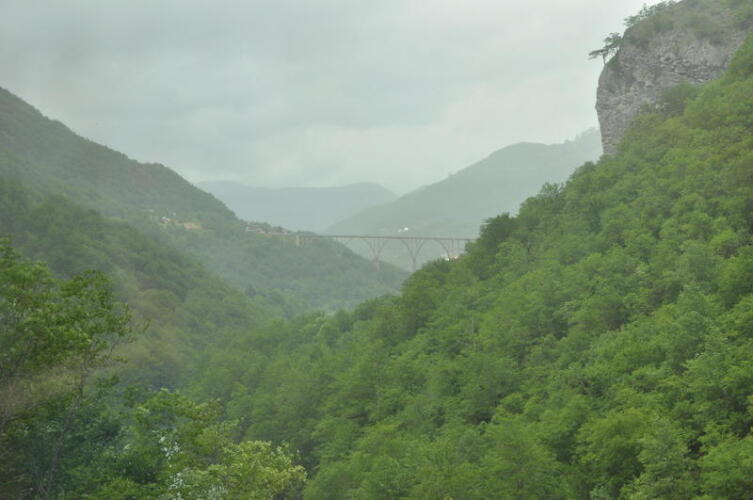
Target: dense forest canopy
column 597, row 344
column 63, row 437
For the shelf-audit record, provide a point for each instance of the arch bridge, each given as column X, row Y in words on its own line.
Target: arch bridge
column 452, row 247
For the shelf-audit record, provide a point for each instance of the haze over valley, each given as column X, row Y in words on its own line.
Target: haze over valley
column 298, row 208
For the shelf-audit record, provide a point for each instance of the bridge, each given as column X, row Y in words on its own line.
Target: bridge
column 452, row 247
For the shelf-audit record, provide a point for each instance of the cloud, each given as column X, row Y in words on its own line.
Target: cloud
column 310, row 92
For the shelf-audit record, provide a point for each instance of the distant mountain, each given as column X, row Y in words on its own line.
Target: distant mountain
column 459, row 204
column 50, row 160
column 298, row 208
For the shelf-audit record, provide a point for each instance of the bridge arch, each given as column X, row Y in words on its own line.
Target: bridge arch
column 451, row 246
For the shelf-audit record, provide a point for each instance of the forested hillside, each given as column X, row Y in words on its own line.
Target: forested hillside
column 598, row 344
column 457, row 205
column 68, row 432
column 166, row 207
column 181, row 306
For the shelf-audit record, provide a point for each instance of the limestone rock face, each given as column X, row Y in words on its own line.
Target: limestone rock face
column 691, row 44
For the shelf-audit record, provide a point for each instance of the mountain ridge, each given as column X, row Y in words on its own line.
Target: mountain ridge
column 457, row 205
column 166, row 207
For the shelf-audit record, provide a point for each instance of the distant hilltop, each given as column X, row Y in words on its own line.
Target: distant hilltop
column 665, row 45
column 458, row 205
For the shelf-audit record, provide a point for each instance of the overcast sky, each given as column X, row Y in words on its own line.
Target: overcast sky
column 310, row 92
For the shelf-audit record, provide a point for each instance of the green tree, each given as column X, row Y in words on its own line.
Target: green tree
column 54, row 334
column 519, row 466
column 183, row 449
column 611, row 46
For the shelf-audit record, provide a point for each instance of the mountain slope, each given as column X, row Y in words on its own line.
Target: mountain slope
column 67, row 428
column 596, row 345
column 183, row 305
column 298, row 208
column 458, row 205
column 167, row 207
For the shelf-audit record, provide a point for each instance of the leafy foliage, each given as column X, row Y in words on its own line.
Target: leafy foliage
column 181, row 305
column 648, row 11
column 611, row 46
column 46, row 325
column 690, row 19
column 62, row 436
column 596, row 344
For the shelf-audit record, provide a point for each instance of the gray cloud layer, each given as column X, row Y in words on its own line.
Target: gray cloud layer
column 310, row 92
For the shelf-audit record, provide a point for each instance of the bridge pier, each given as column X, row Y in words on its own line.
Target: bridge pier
column 414, row 246
column 377, row 246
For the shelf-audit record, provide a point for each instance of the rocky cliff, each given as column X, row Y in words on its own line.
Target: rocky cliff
column 691, row 41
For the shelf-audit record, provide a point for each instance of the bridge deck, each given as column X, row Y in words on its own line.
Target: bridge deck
column 391, row 237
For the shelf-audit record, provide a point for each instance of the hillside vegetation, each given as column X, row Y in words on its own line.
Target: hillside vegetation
column 598, row 344
column 67, row 433
column 458, row 205
column 165, row 207
column 705, row 18
column 182, row 306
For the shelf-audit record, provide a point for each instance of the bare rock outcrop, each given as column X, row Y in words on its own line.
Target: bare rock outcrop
column 688, row 42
